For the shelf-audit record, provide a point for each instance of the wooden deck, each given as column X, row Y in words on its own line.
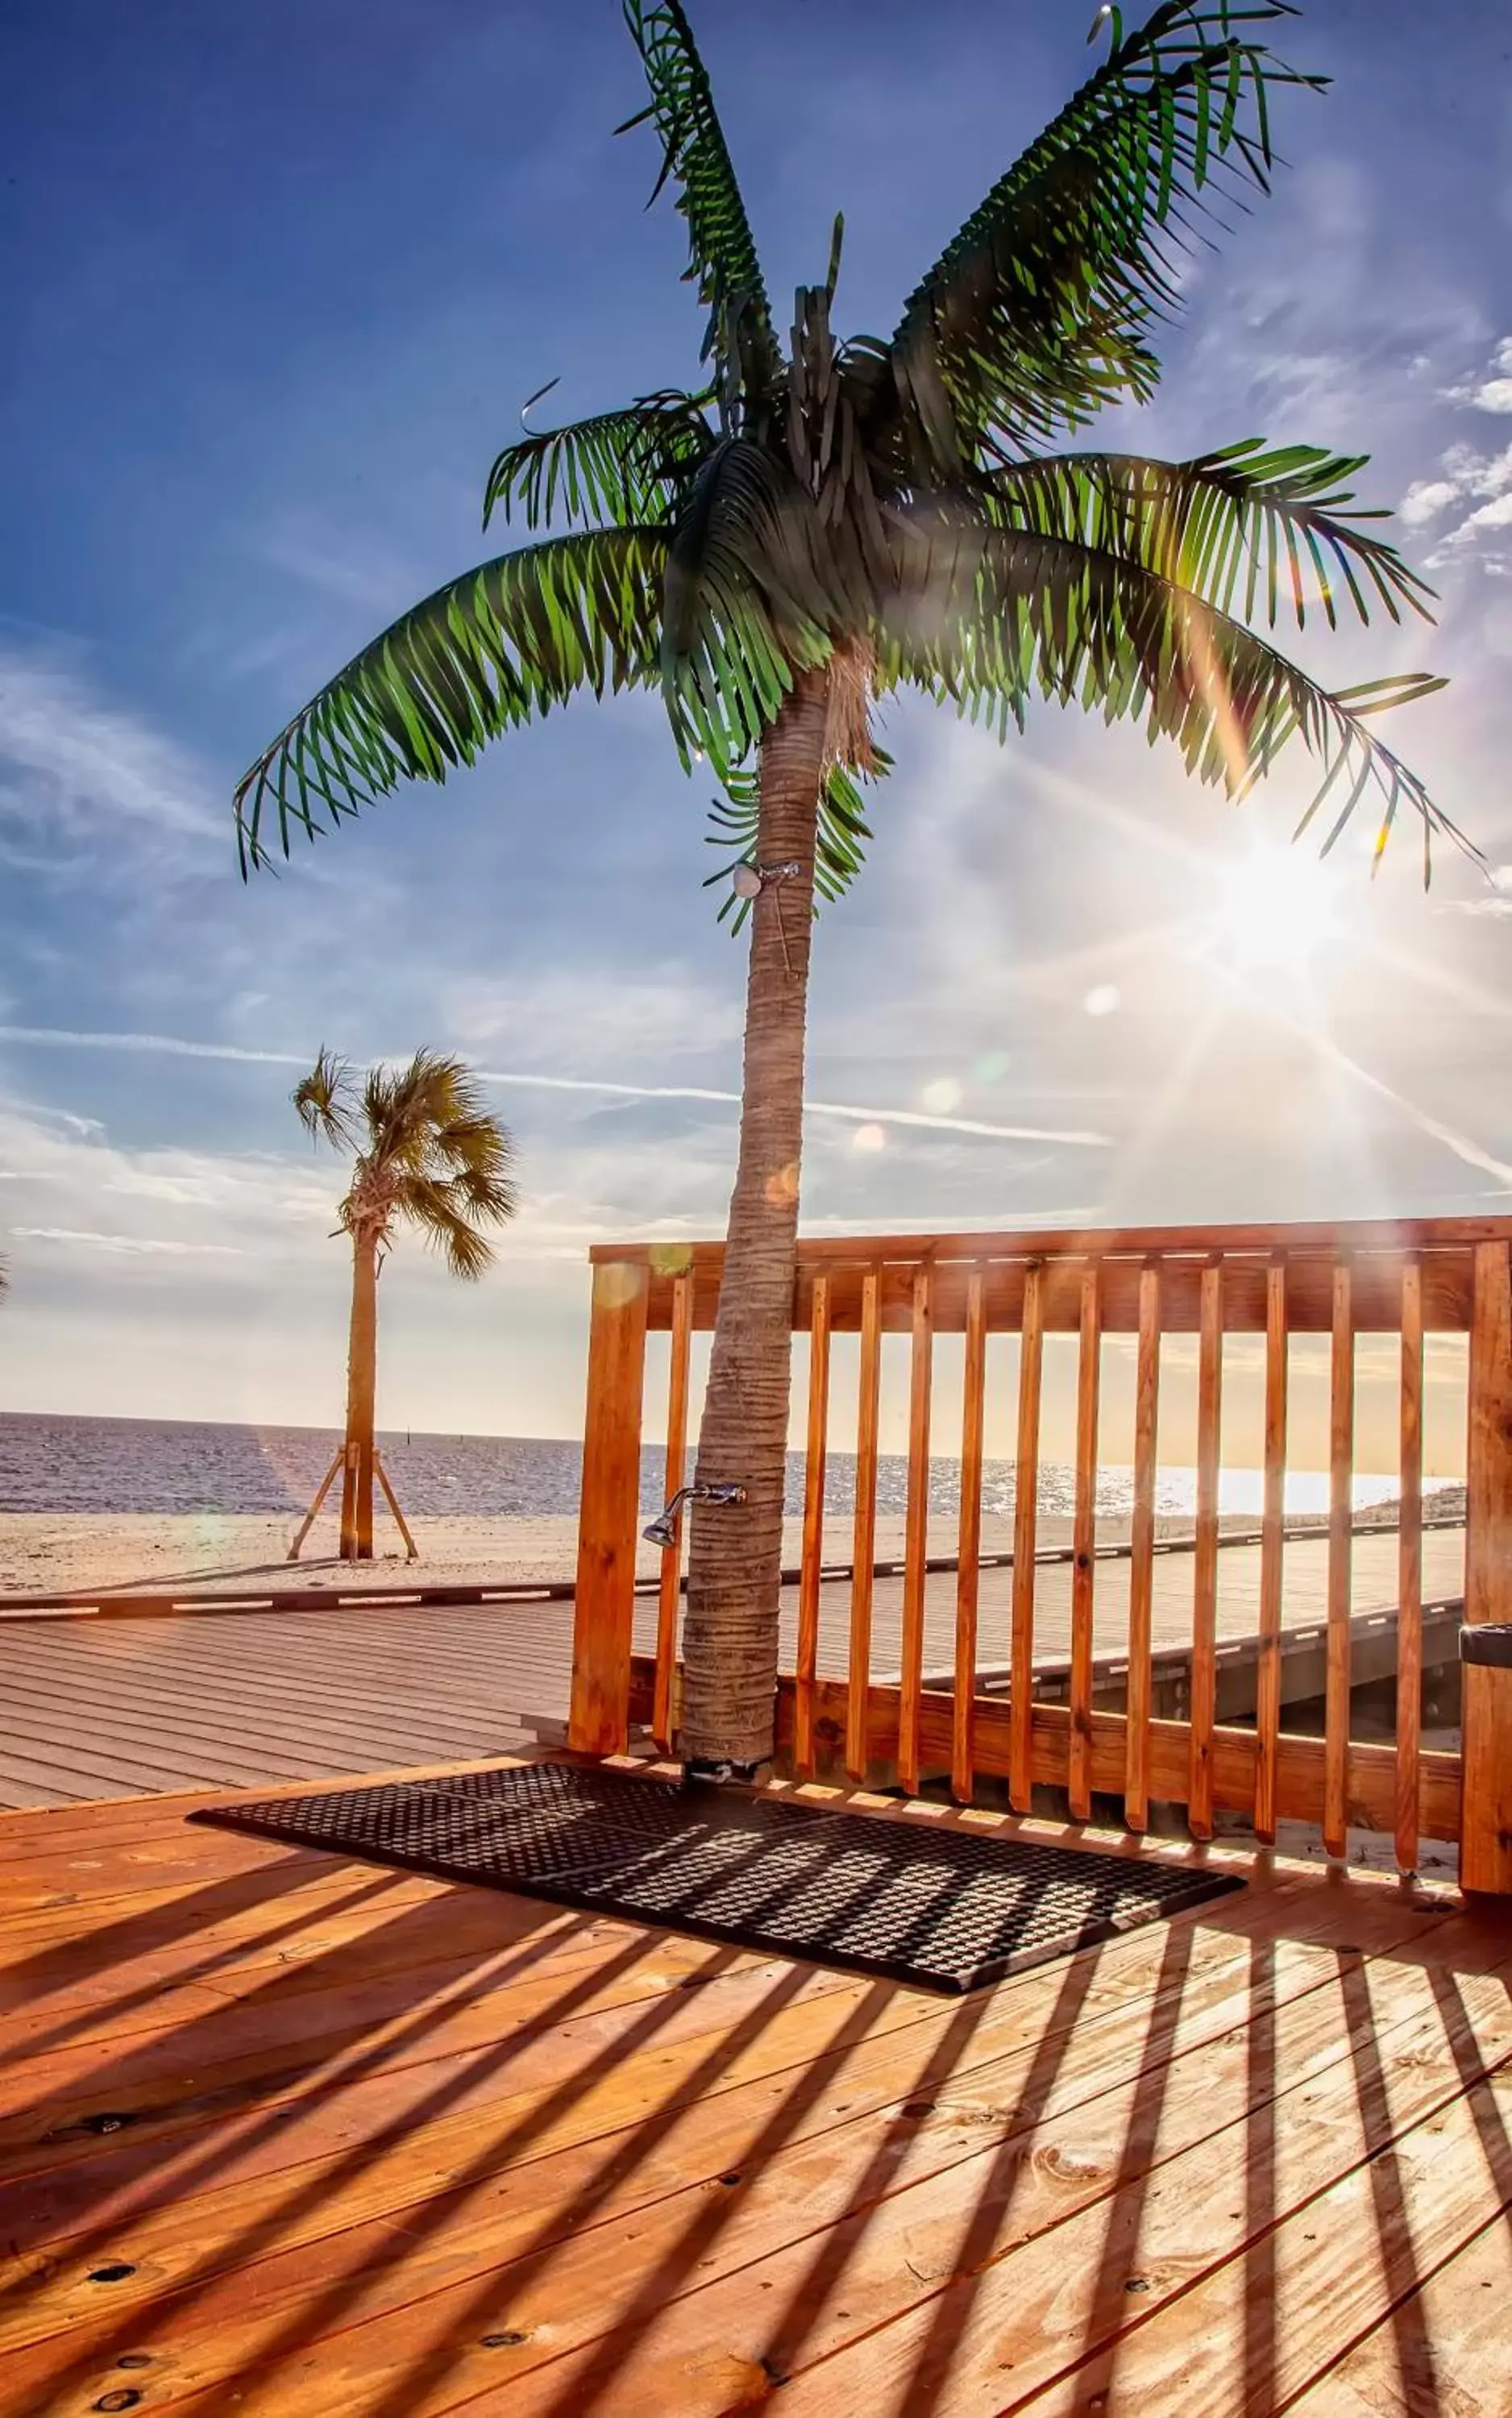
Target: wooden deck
column 293, row 2136
column 118, row 1704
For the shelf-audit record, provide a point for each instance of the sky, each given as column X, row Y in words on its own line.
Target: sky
column 278, row 282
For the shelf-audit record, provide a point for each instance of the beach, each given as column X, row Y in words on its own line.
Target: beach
column 215, row 1552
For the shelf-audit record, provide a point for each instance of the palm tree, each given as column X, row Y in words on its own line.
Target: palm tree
column 427, row 1153
column 815, row 527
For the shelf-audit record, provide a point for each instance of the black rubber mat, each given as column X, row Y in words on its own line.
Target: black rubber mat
column 948, row 1909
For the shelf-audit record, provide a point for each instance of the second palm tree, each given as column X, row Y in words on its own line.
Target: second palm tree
column 428, row 1153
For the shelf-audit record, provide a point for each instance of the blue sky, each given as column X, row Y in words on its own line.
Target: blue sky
column 277, row 282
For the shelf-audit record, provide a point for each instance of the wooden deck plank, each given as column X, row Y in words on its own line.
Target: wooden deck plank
column 1341, row 2262
column 457, row 2114
column 282, row 1695
column 1453, row 2325
column 1116, row 2032
column 1017, row 2333
column 647, row 2217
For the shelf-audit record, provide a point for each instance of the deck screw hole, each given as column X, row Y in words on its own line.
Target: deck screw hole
column 125, row 2396
column 506, row 2341
column 730, row 2182
column 134, row 2358
column 115, row 2272
column 1138, row 2284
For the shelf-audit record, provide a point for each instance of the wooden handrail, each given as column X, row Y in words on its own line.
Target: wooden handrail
column 1111, row 1242
column 1408, row 1277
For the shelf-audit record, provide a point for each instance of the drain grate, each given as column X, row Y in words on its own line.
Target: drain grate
column 946, row 1908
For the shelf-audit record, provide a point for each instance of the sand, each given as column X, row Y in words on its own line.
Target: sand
column 45, row 1553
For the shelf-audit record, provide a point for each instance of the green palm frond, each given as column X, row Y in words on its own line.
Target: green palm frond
column 744, row 603
column 840, row 838
column 324, row 1100
column 1240, row 527
column 1039, row 310
column 990, row 618
column 620, row 467
column 492, row 650
column 723, row 261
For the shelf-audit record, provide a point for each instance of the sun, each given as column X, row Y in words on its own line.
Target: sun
column 1278, row 911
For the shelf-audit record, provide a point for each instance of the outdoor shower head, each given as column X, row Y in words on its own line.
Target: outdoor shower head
column 662, row 1530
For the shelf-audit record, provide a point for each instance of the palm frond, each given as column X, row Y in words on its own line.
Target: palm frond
column 492, row 650
column 1243, row 526
column 989, row 617
column 444, row 1217
column 623, row 467
column 1039, row 310
column 745, row 601
column 841, row 836
column 723, row 261
column 324, row 1100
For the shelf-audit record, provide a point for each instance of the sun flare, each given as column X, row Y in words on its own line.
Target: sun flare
column 1277, row 909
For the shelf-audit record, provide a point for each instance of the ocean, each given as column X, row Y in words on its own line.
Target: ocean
column 62, row 1464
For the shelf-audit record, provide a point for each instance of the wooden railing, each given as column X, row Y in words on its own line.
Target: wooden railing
column 1414, row 1279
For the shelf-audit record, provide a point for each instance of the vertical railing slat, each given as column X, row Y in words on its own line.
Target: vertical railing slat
column 677, row 1454
column 1205, row 1553
column 1486, row 1804
column 1142, row 1549
column 1268, row 1662
column 1084, row 1545
column 1340, row 1565
column 864, row 1550
column 806, row 1658
column 1409, row 1572
column 605, row 1595
column 916, row 1534
column 968, row 1551
column 1026, row 1521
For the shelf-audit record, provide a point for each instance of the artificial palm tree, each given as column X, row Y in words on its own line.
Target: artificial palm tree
column 426, row 1153
column 815, row 525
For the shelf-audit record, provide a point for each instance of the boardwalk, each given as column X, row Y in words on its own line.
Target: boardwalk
column 117, row 1705
column 294, row 2136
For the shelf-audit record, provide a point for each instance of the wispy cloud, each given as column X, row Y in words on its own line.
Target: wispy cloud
column 139, row 1245
column 73, row 767
column 170, row 1045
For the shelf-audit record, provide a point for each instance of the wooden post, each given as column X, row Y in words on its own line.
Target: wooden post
column 1084, row 1560
column 411, row 1549
column 1273, row 1523
column 599, row 1722
column 808, row 1583
column 968, row 1554
column 311, row 1516
column 1205, row 1551
column 1341, row 1566
column 916, row 1534
column 1026, row 1514
column 677, row 1454
column 1486, row 1809
column 1410, row 1572
column 863, row 1551
column 1142, row 1550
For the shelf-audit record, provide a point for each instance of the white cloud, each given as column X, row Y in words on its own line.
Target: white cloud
column 73, row 769
column 1492, row 389
column 138, row 1245
column 1425, row 498
column 1494, row 516
column 1467, row 476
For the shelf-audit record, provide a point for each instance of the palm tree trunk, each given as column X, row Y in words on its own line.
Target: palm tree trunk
column 735, row 1558
column 362, row 1391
